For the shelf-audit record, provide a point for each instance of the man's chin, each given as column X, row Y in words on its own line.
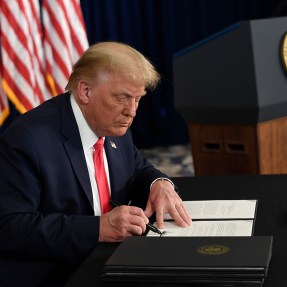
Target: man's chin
column 119, row 132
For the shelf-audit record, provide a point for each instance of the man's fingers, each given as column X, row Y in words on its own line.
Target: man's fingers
column 180, row 215
column 184, row 214
column 148, row 211
column 159, row 218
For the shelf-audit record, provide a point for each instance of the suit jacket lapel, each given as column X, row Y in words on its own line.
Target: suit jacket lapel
column 73, row 146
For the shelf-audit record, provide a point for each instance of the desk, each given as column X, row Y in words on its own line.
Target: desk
column 271, row 192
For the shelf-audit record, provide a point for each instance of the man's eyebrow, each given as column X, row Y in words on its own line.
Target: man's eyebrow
column 124, row 93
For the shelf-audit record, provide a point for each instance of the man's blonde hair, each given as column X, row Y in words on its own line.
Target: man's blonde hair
column 113, row 57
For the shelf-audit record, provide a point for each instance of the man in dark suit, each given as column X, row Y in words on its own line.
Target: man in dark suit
column 50, row 212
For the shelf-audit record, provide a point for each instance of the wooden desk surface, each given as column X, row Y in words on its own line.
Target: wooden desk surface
column 271, row 219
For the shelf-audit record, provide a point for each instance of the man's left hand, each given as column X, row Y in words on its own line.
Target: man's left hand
column 164, row 199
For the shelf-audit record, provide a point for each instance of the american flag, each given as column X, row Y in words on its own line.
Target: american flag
column 4, row 106
column 39, row 45
column 65, row 40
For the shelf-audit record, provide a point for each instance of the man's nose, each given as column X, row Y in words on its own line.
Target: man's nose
column 130, row 108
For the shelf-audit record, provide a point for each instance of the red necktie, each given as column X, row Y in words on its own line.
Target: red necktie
column 101, row 177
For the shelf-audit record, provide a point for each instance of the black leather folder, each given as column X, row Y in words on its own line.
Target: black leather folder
column 204, row 261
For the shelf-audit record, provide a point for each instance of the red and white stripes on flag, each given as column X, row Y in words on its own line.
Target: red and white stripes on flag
column 65, row 40
column 37, row 57
column 4, row 106
column 22, row 55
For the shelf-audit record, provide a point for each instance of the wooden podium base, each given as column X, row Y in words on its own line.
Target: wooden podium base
column 239, row 149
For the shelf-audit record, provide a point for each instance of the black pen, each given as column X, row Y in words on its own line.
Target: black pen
column 151, row 227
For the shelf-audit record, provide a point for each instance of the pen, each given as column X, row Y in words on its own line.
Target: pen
column 151, row 227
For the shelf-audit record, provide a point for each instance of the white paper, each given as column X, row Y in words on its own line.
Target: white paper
column 208, row 228
column 214, row 218
column 220, row 209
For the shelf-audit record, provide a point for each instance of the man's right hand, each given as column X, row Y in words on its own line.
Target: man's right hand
column 121, row 222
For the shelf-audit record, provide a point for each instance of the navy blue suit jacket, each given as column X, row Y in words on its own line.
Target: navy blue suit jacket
column 47, row 226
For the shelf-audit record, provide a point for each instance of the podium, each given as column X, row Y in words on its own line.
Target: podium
column 231, row 89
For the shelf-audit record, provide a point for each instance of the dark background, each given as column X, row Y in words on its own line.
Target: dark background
column 158, row 29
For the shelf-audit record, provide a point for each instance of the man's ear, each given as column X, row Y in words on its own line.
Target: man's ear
column 84, row 92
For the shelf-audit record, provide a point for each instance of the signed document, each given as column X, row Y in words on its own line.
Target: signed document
column 220, row 209
column 214, row 218
column 208, row 228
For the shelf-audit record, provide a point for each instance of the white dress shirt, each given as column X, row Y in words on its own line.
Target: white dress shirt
column 89, row 138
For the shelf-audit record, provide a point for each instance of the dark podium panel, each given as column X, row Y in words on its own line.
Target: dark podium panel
column 231, row 89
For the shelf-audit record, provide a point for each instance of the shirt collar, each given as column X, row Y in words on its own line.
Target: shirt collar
column 88, row 137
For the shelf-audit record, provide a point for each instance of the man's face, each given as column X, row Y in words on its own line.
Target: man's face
column 112, row 105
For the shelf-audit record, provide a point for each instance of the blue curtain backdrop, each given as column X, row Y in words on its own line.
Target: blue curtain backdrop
column 160, row 28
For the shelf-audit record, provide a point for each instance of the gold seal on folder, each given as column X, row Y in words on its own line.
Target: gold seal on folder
column 213, row 249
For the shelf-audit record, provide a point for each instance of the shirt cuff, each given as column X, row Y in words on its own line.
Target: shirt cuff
column 161, row 178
